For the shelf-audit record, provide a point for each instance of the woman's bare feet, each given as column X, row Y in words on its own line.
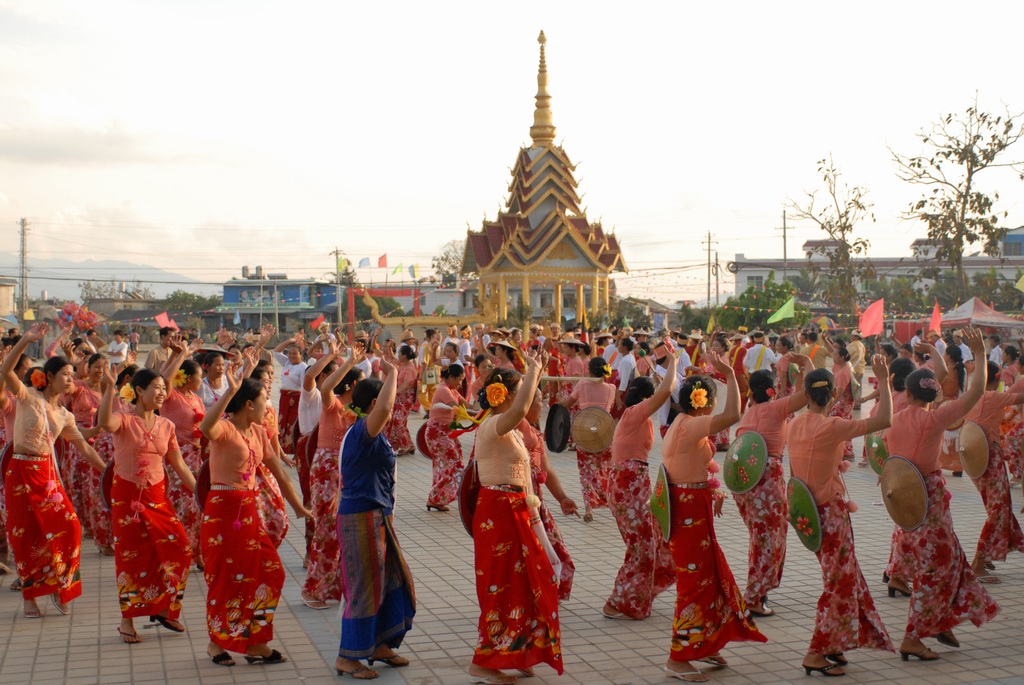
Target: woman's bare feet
column 354, row 669
column 684, row 670
column 32, row 609
column 127, row 631
column 818, row 662
column 490, row 676
column 219, row 655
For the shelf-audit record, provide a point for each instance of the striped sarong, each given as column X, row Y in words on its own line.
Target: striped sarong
column 380, row 600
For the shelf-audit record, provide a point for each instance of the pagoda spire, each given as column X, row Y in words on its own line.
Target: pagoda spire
column 543, row 130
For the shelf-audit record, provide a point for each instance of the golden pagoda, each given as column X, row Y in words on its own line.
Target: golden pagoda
column 542, row 239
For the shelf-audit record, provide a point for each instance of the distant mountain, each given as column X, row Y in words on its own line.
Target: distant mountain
column 60, row 277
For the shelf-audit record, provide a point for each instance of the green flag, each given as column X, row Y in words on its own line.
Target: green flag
column 786, row 311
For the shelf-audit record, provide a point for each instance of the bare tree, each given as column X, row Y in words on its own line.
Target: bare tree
column 957, row 212
column 843, row 208
column 448, row 264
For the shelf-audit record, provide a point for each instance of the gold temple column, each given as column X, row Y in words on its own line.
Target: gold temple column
column 481, row 295
column 526, row 294
column 558, row 303
column 502, row 298
column 581, row 304
column 607, row 294
column 595, row 299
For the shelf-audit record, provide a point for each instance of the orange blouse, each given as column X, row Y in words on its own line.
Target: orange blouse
column 234, row 457
column 139, row 452
column 816, row 446
column 686, row 450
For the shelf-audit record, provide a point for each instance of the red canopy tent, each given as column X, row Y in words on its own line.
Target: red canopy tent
column 974, row 312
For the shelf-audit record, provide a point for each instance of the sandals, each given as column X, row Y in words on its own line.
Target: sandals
column 616, row 615
column 222, row 659
column 58, row 605
column 715, row 660
column 317, row 604
column 825, row 670
column 948, row 638
column 131, row 638
column 924, row 655
column 33, row 613
column 395, row 661
column 167, row 623
column 686, row 675
column 361, row 673
column 990, row 579
column 762, row 614
column 16, row 585
column 837, row 659
column 275, row 657
column 437, row 507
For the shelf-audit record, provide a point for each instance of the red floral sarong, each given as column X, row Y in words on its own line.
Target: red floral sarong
column 397, row 428
column 765, row 510
column 271, row 505
column 96, row 516
column 515, row 585
column 843, row 409
column 1001, row 533
column 43, row 529
column 183, row 501
column 151, row 552
column 945, row 590
column 648, row 568
column 305, row 446
column 288, row 414
column 242, row 570
column 323, row 579
column 901, row 566
column 593, row 468
column 709, row 611
column 447, row 467
column 846, row 617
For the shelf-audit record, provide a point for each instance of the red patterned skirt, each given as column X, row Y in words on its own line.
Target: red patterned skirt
column 183, row 501
column 151, row 550
column 846, row 616
column 709, row 611
column 765, row 510
column 271, row 505
column 593, row 467
column 95, row 516
column 397, row 428
column 43, row 529
column 648, row 568
column 568, row 569
column 323, row 574
column 447, row 467
column 287, row 415
column 242, row 570
column 843, row 409
column 515, row 585
column 945, row 590
column 1001, row 533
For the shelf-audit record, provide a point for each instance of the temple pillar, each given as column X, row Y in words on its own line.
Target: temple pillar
column 481, row 295
column 558, row 303
column 581, row 304
column 607, row 294
column 595, row 299
column 502, row 298
column 526, row 295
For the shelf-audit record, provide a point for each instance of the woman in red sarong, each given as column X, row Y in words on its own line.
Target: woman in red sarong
column 293, row 370
column 541, row 473
column 271, row 502
column 709, row 610
column 1013, row 441
column 184, row 408
column 842, row 406
column 946, row 591
column 764, row 507
column 515, row 580
column 648, row 568
column 323, row 574
column 1001, row 533
column 445, row 451
column 8, row 406
column 42, row 526
column 593, row 466
column 242, row 568
column 705, row 366
column 151, row 558
column 83, row 400
column 397, row 430
column 846, row 617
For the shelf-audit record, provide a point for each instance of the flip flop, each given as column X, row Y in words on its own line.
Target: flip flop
column 361, row 673
column 59, row 606
column 222, row 659
column 682, row 675
column 275, row 657
column 166, row 623
column 990, row 580
column 716, row 660
column 130, row 638
column 317, row 604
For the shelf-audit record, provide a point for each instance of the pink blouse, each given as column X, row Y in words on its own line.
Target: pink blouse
column 634, row 434
column 686, row 450
column 139, row 452
column 234, row 457
column 770, row 419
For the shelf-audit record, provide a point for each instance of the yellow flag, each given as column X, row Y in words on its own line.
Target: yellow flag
column 29, row 315
column 1019, row 285
column 711, row 323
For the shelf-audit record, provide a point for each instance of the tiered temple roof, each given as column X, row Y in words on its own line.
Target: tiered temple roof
column 542, row 218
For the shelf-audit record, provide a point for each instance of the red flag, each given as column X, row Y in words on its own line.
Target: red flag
column 315, row 323
column 871, row 319
column 936, row 323
column 382, row 261
column 162, row 321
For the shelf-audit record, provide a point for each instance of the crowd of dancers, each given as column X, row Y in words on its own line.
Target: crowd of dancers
column 181, row 463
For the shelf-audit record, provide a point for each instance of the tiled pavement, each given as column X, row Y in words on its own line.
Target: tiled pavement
column 85, row 648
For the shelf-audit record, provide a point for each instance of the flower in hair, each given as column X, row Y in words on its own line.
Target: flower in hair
column 126, row 393
column 360, row 414
column 179, row 378
column 38, row 379
column 698, row 397
column 931, row 384
column 607, row 371
column 770, row 392
column 496, row 393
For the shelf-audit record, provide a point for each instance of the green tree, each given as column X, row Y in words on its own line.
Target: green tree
column 843, row 208
column 184, row 301
column 756, row 305
column 519, row 316
column 960, row 152
column 448, row 264
column 626, row 311
column 901, row 294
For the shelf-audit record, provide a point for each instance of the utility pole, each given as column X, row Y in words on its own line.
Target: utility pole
column 785, row 256
column 709, row 242
column 24, row 265
column 717, row 270
column 337, row 281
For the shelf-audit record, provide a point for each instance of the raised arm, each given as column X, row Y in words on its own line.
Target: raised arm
column 979, row 377
column 663, row 393
column 936, row 358
column 105, row 414
column 211, row 420
column 883, row 417
column 174, row 362
column 509, row 419
column 328, row 384
column 309, row 380
column 731, row 414
column 34, row 334
column 798, row 400
column 378, row 416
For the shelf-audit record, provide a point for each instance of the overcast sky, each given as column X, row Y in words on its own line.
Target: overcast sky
column 201, row 136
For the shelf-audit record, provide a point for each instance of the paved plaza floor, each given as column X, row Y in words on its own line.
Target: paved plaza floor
column 85, row 648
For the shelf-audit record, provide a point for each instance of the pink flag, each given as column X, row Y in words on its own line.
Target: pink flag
column 382, row 261
column 871, row 320
column 936, row 323
column 162, row 321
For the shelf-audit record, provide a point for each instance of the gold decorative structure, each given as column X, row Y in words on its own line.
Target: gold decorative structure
column 543, row 237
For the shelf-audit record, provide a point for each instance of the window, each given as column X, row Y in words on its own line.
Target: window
column 755, row 282
column 547, row 300
column 1013, row 248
